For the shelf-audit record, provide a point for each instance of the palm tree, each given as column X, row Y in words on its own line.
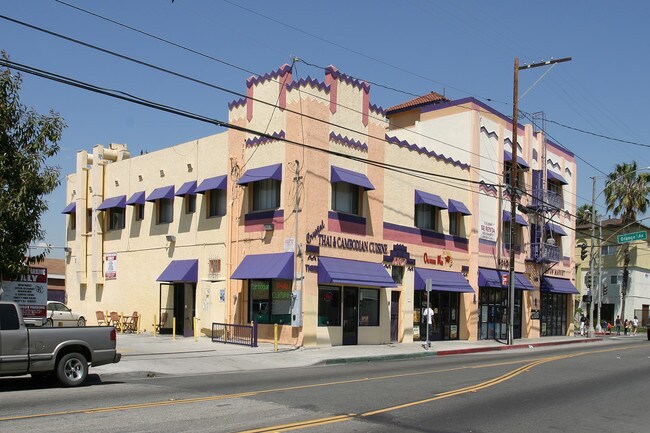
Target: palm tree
column 626, row 194
column 583, row 215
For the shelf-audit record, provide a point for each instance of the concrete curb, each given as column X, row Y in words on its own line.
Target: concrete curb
column 334, row 361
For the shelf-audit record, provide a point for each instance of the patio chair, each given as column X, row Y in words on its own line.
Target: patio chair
column 161, row 323
column 131, row 322
column 101, row 318
column 115, row 319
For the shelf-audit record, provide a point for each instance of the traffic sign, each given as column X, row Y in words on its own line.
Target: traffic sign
column 504, row 279
column 629, row 237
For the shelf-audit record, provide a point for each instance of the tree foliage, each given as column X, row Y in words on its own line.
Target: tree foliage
column 583, row 215
column 27, row 140
column 626, row 192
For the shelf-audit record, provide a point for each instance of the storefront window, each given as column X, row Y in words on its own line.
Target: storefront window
column 493, row 313
column 270, row 301
column 554, row 314
column 329, row 306
column 368, row 307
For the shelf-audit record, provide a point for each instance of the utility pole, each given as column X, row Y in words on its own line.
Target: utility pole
column 600, row 276
column 590, row 331
column 513, row 187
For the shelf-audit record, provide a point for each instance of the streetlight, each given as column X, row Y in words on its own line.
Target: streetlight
column 591, row 331
column 513, row 180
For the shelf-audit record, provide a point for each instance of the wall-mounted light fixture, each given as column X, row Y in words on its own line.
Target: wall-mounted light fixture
column 268, row 227
column 170, row 238
column 474, row 300
column 67, row 250
column 162, row 173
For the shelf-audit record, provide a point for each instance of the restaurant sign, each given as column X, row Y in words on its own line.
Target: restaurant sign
column 345, row 243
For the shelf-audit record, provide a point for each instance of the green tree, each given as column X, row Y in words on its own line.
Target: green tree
column 27, row 140
column 583, row 215
column 626, row 194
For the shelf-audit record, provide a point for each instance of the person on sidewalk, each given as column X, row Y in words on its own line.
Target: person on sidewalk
column 626, row 326
column 582, row 325
column 618, row 325
column 635, row 325
column 427, row 314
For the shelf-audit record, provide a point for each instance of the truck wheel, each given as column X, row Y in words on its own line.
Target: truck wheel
column 81, row 322
column 72, row 369
column 49, row 323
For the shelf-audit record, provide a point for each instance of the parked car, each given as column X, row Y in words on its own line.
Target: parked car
column 58, row 314
column 43, row 352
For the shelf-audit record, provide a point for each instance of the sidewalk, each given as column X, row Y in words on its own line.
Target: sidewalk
column 147, row 356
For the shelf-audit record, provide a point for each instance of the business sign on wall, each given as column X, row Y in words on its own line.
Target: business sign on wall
column 344, row 243
column 110, row 266
column 487, row 231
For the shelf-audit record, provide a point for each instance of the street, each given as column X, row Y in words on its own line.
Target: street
column 596, row 388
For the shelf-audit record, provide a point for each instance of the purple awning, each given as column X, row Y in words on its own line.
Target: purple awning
column 342, row 271
column 339, row 174
column 518, row 218
column 554, row 228
column 551, row 175
column 558, row 285
column 494, row 278
column 218, row 182
column 507, row 157
column 262, row 173
column 458, row 207
column 186, row 271
column 430, row 199
column 162, row 192
column 187, row 188
column 136, row 198
column 442, row 281
column 109, row 203
column 70, row 208
column 265, row 266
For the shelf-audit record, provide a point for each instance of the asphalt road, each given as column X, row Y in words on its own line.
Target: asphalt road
column 581, row 388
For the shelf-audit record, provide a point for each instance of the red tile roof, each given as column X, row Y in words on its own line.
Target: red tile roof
column 429, row 98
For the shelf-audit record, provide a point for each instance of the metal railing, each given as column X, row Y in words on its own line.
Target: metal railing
column 540, row 252
column 228, row 333
column 547, row 199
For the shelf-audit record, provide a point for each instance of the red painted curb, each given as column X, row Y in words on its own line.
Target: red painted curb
column 516, row 346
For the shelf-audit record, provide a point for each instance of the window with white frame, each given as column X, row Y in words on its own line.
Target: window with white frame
column 608, row 250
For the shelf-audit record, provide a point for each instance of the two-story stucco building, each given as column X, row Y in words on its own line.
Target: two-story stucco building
column 327, row 215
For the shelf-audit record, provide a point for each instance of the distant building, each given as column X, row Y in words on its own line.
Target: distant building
column 55, row 278
column 331, row 223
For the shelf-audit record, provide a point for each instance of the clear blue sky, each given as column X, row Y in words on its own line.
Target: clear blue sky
column 459, row 48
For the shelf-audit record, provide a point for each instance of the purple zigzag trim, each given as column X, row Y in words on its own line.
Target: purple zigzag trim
column 377, row 109
column 237, row 103
column 345, row 141
column 304, row 82
column 250, row 142
column 489, row 189
column 430, row 153
column 349, row 80
column 268, row 76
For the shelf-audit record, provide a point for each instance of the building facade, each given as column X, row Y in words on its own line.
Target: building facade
column 331, row 217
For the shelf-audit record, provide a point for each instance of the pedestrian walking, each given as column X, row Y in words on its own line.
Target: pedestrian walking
column 618, row 325
column 582, row 325
column 635, row 325
column 626, row 326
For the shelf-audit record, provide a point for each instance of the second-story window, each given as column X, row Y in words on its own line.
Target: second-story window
column 426, row 216
column 116, row 218
column 608, row 250
column 216, row 202
column 345, row 198
column 165, row 210
column 266, row 195
column 139, row 212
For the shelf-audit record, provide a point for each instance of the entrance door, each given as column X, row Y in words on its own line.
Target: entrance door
column 350, row 315
column 184, row 308
column 394, row 317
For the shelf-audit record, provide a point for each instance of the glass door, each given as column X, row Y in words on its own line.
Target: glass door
column 350, row 315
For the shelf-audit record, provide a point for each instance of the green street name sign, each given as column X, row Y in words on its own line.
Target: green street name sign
column 636, row 236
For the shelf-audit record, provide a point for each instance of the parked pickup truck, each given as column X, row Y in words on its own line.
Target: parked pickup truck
column 62, row 352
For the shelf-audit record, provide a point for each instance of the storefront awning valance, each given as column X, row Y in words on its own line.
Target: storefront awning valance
column 443, row 281
column 507, row 157
column 187, row 188
column 556, row 177
column 518, row 218
column 70, row 208
column 554, row 228
column 558, row 285
column 136, row 198
column 265, row 266
column 339, row 174
column 181, row 271
column 162, row 192
column 456, row 206
column 494, row 278
column 262, row 173
column 110, row 203
column 341, row 271
column 422, row 197
column 217, row 182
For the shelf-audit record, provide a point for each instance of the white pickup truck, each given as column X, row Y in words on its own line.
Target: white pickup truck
column 63, row 352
